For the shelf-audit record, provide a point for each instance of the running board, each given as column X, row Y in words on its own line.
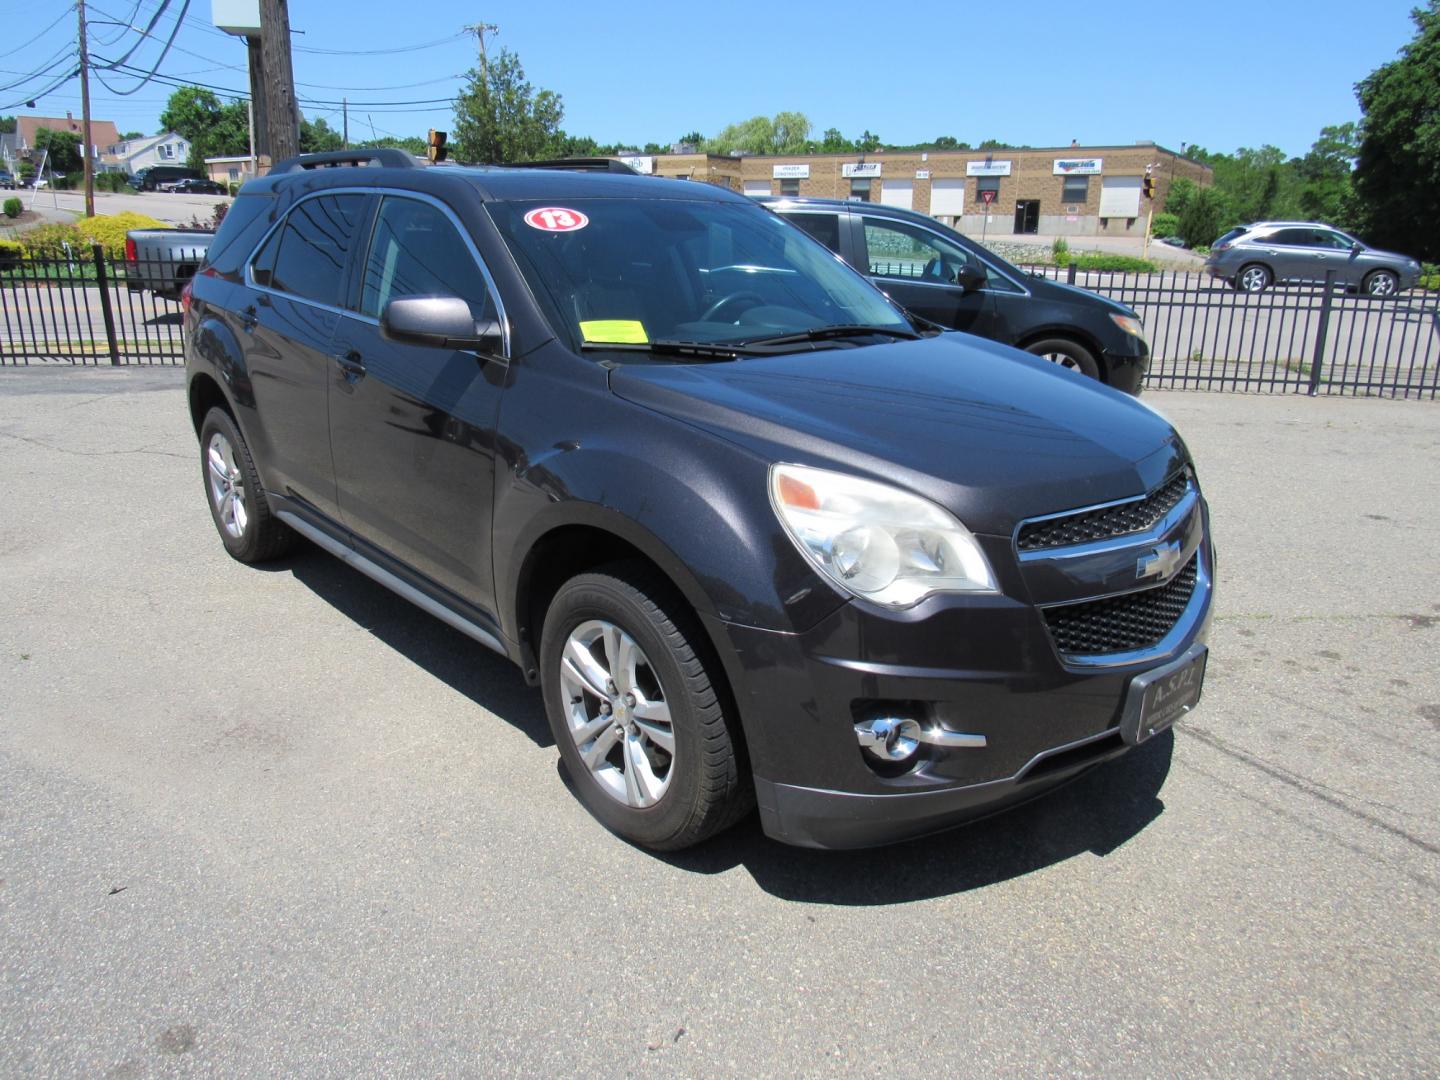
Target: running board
column 384, row 577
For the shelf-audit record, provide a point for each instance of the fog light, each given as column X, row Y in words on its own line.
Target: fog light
column 889, row 738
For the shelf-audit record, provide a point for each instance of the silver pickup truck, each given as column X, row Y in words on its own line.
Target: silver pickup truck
column 163, row 260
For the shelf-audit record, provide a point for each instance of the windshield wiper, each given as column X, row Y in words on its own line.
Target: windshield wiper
column 699, row 350
column 829, row 333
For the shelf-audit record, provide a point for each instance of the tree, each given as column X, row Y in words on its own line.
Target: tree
column 412, row 144
column 1397, row 172
column 64, row 147
column 1327, row 192
column 868, row 142
column 500, row 117
column 994, row 144
column 212, row 129
column 1204, row 217
column 7, row 125
column 132, row 135
column 316, row 136
column 832, row 142
column 786, row 133
column 694, row 138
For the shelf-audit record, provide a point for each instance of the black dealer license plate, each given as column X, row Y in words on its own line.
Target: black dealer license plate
column 1158, row 698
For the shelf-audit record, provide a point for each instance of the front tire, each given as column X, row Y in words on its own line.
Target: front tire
column 1382, row 283
column 636, row 711
column 1068, row 354
column 242, row 516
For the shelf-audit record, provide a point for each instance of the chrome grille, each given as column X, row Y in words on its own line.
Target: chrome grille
column 1117, row 624
column 1087, row 526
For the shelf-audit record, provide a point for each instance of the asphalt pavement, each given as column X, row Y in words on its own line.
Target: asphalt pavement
column 278, row 822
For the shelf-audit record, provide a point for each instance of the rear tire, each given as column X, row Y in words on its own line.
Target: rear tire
column 1254, row 278
column 635, row 708
column 1067, row 354
column 249, row 530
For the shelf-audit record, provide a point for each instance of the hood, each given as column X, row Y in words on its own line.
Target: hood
column 1074, row 294
column 992, row 433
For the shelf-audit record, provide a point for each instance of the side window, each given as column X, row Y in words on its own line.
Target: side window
column 1292, row 238
column 314, row 244
column 823, row 227
column 904, row 252
column 790, row 186
column 1076, row 189
column 1326, row 238
column 416, row 251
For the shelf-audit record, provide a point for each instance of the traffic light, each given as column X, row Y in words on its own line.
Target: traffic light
column 1149, row 184
column 435, row 147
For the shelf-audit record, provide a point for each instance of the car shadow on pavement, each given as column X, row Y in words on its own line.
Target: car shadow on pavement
column 1095, row 814
column 486, row 678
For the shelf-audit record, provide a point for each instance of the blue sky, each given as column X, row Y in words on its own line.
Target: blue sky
column 1220, row 74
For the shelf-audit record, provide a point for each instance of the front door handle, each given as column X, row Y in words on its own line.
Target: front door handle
column 248, row 318
column 351, row 363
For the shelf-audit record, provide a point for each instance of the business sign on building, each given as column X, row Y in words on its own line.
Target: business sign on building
column 987, row 168
column 861, row 168
column 922, row 174
column 791, row 172
column 644, row 164
column 1078, row 166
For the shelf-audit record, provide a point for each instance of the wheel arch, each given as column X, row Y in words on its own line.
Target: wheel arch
column 205, row 394
column 1075, row 334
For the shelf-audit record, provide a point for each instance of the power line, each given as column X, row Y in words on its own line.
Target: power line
column 375, row 52
column 20, row 48
column 184, row 6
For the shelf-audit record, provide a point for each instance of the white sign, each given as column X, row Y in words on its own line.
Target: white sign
column 922, row 174
column 644, row 165
column 862, row 168
column 987, row 168
column 790, row 172
column 1078, row 166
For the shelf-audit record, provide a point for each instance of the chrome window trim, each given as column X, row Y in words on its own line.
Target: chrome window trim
column 1173, row 517
column 357, row 315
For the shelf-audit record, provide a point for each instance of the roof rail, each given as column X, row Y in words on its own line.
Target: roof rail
column 383, row 156
column 580, row 164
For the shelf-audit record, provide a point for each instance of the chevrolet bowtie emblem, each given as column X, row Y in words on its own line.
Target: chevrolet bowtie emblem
column 1161, row 563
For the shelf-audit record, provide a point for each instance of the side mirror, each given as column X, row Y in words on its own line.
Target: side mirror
column 440, row 322
column 970, row 278
column 1357, row 247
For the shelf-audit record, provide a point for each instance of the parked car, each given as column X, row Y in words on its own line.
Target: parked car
column 161, row 177
column 199, row 187
column 1253, row 257
column 943, row 276
column 756, row 536
column 7, row 180
column 163, row 260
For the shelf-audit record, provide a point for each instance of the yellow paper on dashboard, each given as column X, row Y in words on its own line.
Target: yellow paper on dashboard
column 614, row 332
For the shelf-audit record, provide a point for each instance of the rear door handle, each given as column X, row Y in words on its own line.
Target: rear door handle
column 248, row 318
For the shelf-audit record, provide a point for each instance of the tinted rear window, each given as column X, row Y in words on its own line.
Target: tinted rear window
column 244, row 224
column 315, row 245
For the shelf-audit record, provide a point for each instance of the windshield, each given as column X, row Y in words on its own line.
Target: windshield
column 634, row 271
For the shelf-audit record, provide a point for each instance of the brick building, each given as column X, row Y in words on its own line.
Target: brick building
column 1073, row 190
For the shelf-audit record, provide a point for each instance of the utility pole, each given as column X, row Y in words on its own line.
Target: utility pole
column 259, row 118
column 345, row 112
column 480, row 29
column 85, row 116
column 281, row 116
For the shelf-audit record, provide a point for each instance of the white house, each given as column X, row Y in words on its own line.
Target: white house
column 132, row 155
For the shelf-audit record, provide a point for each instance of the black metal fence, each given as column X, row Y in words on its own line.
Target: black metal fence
column 1317, row 339
column 87, row 308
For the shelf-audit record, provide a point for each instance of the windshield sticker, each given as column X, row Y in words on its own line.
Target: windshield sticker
column 614, row 331
column 556, row 219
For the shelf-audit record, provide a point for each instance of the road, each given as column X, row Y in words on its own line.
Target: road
column 162, row 205
column 277, row 822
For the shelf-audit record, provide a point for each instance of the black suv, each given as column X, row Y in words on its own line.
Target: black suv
column 945, row 277
column 755, row 536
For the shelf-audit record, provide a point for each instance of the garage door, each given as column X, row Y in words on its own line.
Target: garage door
column 757, row 187
column 1120, row 196
column 899, row 193
column 947, row 198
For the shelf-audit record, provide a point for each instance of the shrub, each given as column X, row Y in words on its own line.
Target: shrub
column 1095, row 260
column 108, row 230
column 1427, row 281
column 1165, row 225
column 48, row 241
column 1060, row 251
column 11, row 252
column 110, row 181
column 13, row 207
column 1203, row 218
column 217, row 215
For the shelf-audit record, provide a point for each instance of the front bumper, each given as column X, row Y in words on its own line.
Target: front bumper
column 1125, row 371
column 983, row 666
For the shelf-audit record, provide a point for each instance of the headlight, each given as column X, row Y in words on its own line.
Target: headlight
column 875, row 541
column 1131, row 326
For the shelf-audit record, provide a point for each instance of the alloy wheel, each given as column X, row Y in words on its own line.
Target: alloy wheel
column 1382, row 284
column 1254, row 279
column 616, row 711
column 227, row 485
